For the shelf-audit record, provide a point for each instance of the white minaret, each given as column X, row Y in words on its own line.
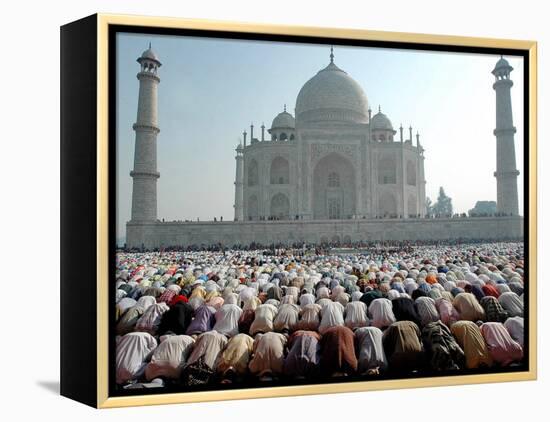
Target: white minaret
column 239, row 180
column 506, row 173
column 145, row 175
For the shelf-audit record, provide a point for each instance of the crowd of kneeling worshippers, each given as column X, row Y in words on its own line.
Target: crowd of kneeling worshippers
column 199, row 318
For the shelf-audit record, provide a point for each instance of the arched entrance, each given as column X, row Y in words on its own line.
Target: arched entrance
column 387, row 206
column 252, row 209
column 280, row 207
column 280, row 173
column 333, row 188
column 411, row 207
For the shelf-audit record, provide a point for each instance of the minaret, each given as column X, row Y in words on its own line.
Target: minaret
column 506, row 173
column 239, row 184
column 145, row 175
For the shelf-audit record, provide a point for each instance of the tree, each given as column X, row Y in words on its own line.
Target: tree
column 444, row 204
column 429, row 207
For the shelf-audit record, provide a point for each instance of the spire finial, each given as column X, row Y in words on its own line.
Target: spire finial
column 332, row 54
column 284, row 108
column 149, row 45
column 379, row 109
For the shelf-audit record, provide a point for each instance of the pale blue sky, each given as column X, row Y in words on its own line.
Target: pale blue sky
column 212, row 89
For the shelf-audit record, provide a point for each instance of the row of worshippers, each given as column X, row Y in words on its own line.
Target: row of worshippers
column 402, row 349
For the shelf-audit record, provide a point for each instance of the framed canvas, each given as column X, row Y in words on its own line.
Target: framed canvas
column 261, row 211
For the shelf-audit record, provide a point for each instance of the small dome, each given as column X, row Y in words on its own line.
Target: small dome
column 332, row 95
column 149, row 54
column 283, row 120
column 381, row 122
column 502, row 64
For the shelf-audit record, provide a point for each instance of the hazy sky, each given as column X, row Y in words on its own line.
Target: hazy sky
column 212, row 89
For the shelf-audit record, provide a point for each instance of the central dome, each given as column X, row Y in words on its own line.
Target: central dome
column 332, row 95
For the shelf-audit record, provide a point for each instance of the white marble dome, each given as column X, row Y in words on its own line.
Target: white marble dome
column 149, row 54
column 381, row 122
column 283, row 120
column 332, row 95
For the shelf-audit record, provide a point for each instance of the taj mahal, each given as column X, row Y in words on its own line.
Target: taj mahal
column 332, row 172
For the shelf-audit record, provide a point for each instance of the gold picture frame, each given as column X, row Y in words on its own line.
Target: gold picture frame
column 100, row 217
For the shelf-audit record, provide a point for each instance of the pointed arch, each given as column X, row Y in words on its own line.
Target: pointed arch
column 387, row 170
column 412, row 206
column 252, row 208
column 279, row 172
column 411, row 173
column 253, row 176
column 387, row 205
column 334, row 193
column 280, row 206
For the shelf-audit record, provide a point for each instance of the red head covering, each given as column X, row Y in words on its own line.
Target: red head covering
column 490, row 290
column 177, row 299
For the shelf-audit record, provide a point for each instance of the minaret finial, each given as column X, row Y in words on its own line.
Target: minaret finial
column 149, row 45
column 332, row 54
column 284, row 108
column 379, row 109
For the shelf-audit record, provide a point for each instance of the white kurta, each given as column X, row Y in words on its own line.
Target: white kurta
column 227, row 320
column 332, row 314
column 169, row 357
column 356, row 315
column 132, row 351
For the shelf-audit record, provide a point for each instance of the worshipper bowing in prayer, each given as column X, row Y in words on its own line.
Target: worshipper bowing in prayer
column 512, row 303
column 310, row 317
column 227, row 320
column 494, row 312
column 356, row 315
column 123, row 305
column 203, row 320
column 268, row 355
column 132, row 352
column 169, row 357
column 468, row 307
column 338, row 352
column 234, row 359
column 503, row 348
column 404, row 310
column 287, row 318
column 263, row 319
column 202, row 362
column 427, row 311
column 332, row 314
column 443, row 351
column 514, row 325
column 128, row 320
column 381, row 313
column 469, row 338
column 403, row 347
column 371, row 358
column 303, row 358
column 176, row 319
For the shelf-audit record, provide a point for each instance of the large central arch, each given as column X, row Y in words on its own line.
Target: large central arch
column 334, row 188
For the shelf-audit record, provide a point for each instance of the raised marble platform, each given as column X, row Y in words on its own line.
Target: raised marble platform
column 150, row 235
